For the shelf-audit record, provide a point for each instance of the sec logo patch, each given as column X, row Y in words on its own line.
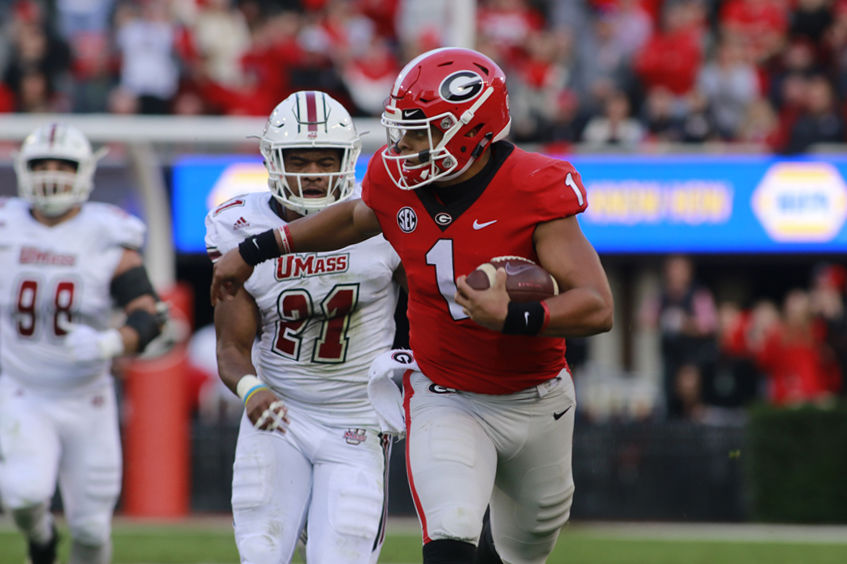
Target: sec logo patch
column 407, row 219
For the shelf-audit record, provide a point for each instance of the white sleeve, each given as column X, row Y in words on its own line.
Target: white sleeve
column 120, row 228
column 212, row 238
column 220, row 234
column 394, row 260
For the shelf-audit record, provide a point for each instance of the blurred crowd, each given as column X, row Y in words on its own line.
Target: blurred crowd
column 772, row 73
column 719, row 355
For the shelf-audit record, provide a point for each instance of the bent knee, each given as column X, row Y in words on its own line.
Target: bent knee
column 356, row 511
column 456, row 523
column 22, row 494
column 27, row 518
column 553, row 511
column 259, row 549
column 548, row 496
column 93, row 531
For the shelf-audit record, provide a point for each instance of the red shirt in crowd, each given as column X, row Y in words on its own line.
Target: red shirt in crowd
column 798, row 366
column 671, row 60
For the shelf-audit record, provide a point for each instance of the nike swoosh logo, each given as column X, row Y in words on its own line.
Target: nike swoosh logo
column 513, row 269
column 478, row 225
column 558, row 416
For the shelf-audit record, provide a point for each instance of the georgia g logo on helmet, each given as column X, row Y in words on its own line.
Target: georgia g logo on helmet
column 461, row 86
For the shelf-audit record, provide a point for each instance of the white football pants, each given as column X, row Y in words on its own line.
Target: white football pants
column 466, row 451
column 330, row 479
column 72, row 437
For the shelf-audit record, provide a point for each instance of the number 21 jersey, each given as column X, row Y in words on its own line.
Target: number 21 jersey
column 324, row 316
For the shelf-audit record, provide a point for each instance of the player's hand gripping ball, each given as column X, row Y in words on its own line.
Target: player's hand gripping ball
column 525, row 280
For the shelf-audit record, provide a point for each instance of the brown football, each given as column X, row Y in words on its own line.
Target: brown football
column 525, row 280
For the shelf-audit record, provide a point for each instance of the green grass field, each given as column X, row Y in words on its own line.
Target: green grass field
column 209, row 541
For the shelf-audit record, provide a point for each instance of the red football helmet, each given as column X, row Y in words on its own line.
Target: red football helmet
column 460, row 92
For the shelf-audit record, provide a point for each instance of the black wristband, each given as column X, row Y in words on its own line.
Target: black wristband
column 145, row 324
column 524, row 318
column 259, row 248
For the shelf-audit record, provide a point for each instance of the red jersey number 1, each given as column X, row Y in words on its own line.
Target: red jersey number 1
column 440, row 255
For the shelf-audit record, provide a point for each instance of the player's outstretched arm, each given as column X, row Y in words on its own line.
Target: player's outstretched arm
column 584, row 305
column 236, row 324
column 335, row 227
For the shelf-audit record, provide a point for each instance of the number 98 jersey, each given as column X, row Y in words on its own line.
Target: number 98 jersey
column 51, row 275
column 324, row 316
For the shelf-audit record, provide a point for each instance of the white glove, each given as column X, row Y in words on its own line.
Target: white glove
column 87, row 344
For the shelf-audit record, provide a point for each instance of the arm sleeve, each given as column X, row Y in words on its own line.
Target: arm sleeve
column 555, row 191
column 121, row 228
column 212, row 236
column 220, row 235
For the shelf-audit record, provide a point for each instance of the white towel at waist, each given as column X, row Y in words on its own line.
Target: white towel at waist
column 385, row 389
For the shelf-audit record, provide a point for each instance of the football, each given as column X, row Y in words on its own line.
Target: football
column 525, row 280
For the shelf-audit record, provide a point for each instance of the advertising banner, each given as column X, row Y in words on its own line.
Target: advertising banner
column 637, row 204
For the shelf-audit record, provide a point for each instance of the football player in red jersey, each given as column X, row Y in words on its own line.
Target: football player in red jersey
column 489, row 415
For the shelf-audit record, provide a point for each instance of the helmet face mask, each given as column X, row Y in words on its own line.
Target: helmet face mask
column 312, row 121
column 53, row 190
column 459, row 97
column 428, row 165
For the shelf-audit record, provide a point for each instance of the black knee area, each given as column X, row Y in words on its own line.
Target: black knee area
column 485, row 552
column 448, row 551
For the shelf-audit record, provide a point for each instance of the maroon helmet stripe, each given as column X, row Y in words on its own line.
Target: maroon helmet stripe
column 52, row 134
column 311, row 111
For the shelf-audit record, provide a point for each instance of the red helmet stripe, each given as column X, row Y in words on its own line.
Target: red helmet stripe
column 312, row 112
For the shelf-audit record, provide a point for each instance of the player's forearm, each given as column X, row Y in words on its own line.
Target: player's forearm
column 333, row 228
column 579, row 312
column 233, row 364
column 131, row 334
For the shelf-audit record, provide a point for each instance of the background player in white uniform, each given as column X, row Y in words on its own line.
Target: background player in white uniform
column 309, row 448
column 65, row 263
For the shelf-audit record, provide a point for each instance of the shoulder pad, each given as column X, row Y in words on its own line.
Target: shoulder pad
column 221, row 225
column 118, row 227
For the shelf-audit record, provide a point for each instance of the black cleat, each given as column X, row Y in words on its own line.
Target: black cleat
column 44, row 554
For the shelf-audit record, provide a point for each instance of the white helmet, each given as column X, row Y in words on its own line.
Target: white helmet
column 310, row 120
column 55, row 192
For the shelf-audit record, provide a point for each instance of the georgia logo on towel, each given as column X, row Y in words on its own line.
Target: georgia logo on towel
column 402, row 357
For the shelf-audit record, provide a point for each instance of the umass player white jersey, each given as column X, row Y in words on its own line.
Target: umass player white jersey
column 324, row 316
column 53, row 274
